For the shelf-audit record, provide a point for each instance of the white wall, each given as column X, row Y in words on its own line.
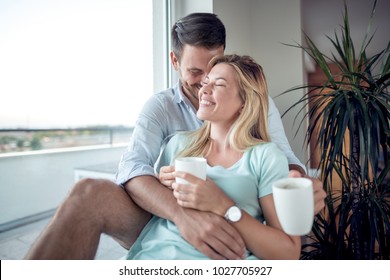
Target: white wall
column 237, row 17
column 182, row 8
column 37, row 182
column 258, row 28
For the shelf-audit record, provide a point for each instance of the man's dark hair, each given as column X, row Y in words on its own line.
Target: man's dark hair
column 198, row 29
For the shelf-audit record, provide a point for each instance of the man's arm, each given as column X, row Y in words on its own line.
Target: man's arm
column 297, row 168
column 278, row 136
column 207, row 232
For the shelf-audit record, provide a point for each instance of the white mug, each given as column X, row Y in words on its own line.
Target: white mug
column 294, row 204
column 196, row 166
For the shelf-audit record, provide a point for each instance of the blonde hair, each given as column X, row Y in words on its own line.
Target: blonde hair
column 251, row 127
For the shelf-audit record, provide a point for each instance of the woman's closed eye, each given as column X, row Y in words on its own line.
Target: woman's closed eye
column 220, row 82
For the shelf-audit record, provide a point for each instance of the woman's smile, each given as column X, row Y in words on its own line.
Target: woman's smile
column 206, row 103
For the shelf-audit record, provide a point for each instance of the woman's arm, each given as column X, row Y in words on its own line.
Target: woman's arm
column 268, row 241
column 166, row 176
column 264, row 241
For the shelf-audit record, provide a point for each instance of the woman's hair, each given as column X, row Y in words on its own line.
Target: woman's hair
column 251, row 126
column 198, row 29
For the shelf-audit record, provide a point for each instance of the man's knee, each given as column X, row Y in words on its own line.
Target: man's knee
column 89, row 192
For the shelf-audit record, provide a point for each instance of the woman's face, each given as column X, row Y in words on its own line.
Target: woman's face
column 219, row 99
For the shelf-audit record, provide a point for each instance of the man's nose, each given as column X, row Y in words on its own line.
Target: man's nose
column 202, row 77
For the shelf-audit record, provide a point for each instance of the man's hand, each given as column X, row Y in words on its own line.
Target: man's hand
column 207, row 232
column 319, row 193
column 210, row 234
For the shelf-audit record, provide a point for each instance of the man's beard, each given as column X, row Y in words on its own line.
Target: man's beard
column 192, row 90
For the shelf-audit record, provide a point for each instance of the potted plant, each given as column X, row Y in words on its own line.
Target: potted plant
column 349, row 121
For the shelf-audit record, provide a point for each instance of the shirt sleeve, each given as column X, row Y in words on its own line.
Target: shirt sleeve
column 278, row 135
column 271, row 165
column 146, row 141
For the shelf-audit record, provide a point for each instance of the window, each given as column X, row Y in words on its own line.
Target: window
column 74, row 63
column 70, row 63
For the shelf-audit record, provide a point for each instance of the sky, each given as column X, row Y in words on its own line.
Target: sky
column 70, row 63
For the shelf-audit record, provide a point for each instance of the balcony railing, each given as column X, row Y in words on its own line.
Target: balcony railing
column 33, row 181
column 21, row 140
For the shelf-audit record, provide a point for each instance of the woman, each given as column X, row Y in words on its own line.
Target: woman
column 242, row 165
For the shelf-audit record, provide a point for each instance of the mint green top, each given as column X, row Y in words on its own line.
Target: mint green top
column 245, row 182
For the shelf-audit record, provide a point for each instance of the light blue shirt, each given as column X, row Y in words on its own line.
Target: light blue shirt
column 168, row 112
column 245, row 182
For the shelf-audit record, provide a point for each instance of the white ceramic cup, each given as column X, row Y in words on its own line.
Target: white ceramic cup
column 294, row 204
column 194, row 165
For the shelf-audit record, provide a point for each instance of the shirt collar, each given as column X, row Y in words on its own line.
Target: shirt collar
column 180, row 97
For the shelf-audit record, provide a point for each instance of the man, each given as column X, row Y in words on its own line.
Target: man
column 99, row 206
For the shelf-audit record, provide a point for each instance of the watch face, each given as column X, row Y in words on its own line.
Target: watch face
column 234, row 214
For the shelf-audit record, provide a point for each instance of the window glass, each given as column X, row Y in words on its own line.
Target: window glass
column 74, row 63
column 69, row 63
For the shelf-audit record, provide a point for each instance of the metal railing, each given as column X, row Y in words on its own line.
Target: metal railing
column 18, row 140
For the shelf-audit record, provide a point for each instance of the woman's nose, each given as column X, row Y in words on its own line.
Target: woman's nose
column 205, row 89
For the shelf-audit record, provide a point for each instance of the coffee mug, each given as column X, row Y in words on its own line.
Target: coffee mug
column 196, row 166
column 294, row 204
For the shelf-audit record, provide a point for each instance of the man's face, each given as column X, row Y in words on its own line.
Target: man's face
column 192, row 69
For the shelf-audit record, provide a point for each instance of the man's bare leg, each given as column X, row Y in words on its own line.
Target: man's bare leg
column 93, row 207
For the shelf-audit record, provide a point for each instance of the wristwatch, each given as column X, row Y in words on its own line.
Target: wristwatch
column 233, row 214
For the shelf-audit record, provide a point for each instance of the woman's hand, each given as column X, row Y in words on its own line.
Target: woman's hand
column 201, row 195
column 166, row 176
